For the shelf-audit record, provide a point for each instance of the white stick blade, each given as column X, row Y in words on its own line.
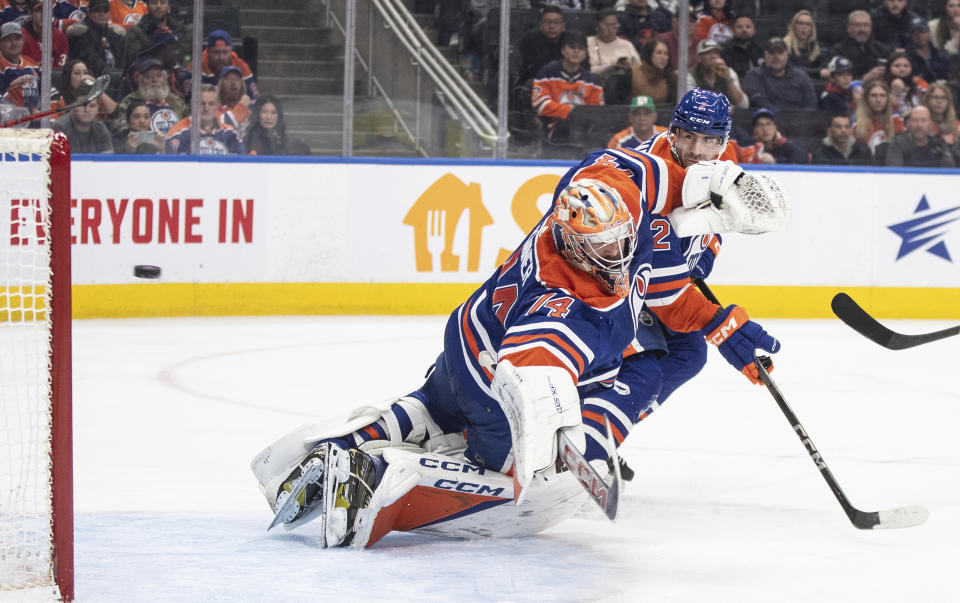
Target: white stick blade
column 902, row 517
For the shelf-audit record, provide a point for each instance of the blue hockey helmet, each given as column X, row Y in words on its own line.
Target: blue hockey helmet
column 703, row 111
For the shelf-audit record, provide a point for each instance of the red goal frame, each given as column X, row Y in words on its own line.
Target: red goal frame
column 61, row 404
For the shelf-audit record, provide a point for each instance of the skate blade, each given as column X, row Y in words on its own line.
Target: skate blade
column 309, row 476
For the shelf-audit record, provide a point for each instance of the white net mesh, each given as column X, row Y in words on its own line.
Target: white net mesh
column 25, row 336
column 761, row 202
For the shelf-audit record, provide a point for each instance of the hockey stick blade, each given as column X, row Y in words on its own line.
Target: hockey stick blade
column 857, row 319
column 900, row 517
column 607, row 496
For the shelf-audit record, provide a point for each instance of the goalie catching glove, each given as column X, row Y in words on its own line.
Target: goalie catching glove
column 737, row 338
column 718, row 197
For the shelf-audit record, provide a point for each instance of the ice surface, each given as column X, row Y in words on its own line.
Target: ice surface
column 726, row 505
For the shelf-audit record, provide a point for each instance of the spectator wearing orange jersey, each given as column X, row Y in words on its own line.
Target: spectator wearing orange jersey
column 562, row 85
column 218, row 54
column 643, row 124
column 714, row 21
column 127, row 13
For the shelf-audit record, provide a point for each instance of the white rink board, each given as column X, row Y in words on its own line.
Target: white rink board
column 345, row 222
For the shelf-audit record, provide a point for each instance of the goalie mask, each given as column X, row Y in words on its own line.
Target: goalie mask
column 593, row 230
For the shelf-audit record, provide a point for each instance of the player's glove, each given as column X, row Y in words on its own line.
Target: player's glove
column 705, row 262
column 737, row 337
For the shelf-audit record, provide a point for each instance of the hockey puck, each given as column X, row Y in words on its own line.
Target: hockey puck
column 144, row 271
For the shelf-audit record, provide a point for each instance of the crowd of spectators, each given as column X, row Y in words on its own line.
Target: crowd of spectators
column 853, row 82
column 140, row 45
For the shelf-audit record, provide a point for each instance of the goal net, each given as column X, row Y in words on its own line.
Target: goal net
column 36, row 493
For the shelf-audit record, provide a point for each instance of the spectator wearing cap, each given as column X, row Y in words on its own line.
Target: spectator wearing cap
column 218, row 54
column 765, row 133
column 714, row 21
column 216, row 137
column 234, row 102
column 84, row 131
column 153, row 88
column 891, row 23
column 712, row 73
column 741, row 52
column 803, row 48
column 866, row 54
column 916, row 147
column 839, row 147
column 611, row 58
column 777, row 85
column 538, row 47
column 96, row 41
column 562, row 85
column 928, row 61
column 641, row 20
column 165, row 47
column 837, row 97
column 19, row 75
column 672, row 39
column 643, row 124
column 33, row 36
column 158, row 20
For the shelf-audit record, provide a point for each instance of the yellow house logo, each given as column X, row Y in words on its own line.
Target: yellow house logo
column 436, row 215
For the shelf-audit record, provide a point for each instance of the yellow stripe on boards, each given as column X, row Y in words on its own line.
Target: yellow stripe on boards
column 266, row 299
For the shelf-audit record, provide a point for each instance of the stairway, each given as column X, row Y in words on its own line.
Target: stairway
column 301, row 63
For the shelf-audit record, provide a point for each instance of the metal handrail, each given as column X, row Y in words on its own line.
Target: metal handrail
column 380, row 89
column 455, row 90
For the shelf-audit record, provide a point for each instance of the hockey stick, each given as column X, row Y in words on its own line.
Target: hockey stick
column 607, row 496
column 857, row 319
column 98, row 88
column 900, row 517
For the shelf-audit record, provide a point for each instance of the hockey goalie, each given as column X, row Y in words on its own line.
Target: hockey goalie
column 542, row 353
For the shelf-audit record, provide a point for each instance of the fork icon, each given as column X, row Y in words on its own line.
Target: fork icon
column 436, row 229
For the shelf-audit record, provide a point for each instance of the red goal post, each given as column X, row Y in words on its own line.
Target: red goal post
column 36, row 436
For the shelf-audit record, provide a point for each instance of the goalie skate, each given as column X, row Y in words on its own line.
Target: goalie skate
column 331, row 484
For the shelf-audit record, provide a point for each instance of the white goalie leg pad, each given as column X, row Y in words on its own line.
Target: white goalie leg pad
column 274, row 463
column 538, row 401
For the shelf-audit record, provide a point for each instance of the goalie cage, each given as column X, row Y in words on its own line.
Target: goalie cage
column 36, row 443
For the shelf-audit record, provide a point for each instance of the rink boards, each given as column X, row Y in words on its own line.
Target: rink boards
column 317, row 236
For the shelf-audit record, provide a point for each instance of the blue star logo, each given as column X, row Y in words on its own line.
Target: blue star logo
column 926, row 231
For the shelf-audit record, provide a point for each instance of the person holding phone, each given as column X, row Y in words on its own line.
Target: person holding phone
column 138, row 138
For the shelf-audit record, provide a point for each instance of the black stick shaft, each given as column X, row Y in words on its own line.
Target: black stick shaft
column 859, row 519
